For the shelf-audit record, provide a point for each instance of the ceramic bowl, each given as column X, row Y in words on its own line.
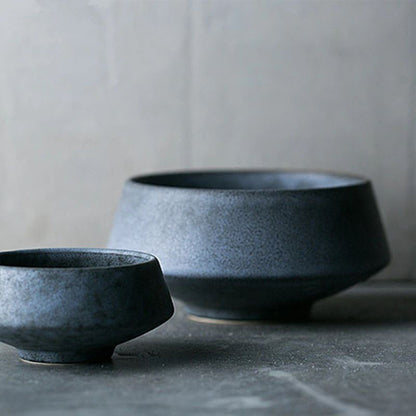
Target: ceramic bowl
column 76, row 305
column 254, row 244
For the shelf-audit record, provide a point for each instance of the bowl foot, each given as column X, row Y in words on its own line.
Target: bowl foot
column 67, row 357
column 296, row 313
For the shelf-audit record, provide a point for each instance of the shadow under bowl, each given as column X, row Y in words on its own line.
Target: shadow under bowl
column 76, row 305
column 254, row 244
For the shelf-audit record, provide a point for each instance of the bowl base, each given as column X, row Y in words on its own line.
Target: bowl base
column 295, row 313
column 67, row 357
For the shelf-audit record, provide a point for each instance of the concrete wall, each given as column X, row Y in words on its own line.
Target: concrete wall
column 92, row 92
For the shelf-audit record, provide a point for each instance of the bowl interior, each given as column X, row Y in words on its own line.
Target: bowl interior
column 276, row 180
column 71, row 258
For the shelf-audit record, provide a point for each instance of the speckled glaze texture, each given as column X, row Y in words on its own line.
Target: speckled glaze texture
column 75, row 305
column 254, row 245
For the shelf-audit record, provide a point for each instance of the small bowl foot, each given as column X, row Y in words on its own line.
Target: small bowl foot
column 67, row 357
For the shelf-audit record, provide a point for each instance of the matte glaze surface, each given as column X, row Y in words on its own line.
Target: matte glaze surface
column 74, row 305
column 254, row 245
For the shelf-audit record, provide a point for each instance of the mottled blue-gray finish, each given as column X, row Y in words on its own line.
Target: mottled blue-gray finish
column 74, row 305
column 254, row 245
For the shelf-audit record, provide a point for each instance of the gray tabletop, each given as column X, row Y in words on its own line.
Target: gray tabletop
column 355, row 357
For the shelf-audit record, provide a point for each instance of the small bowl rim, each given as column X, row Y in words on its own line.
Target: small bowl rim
column 353, row 180
column 145, row 258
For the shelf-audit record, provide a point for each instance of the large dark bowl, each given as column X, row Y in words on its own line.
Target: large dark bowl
column 75, row 305
column 254, row 244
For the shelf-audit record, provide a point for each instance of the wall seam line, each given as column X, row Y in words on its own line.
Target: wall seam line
column 411, row 143
column 188, row 86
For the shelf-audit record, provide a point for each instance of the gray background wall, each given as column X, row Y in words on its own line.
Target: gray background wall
column 92, row 92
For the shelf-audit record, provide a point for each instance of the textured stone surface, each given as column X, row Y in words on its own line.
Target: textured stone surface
column 356, row 358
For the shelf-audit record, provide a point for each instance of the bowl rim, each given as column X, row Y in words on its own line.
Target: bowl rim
column 354, row 180
column 145, row 258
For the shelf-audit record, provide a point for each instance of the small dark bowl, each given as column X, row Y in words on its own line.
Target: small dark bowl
column 76, row 305
column 254, row 245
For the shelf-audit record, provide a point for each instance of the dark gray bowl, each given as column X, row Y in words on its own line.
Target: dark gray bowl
column 254, row 245
column 75, row 305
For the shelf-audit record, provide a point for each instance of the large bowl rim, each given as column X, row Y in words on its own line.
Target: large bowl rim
column 353, row 180
column 145, row 258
